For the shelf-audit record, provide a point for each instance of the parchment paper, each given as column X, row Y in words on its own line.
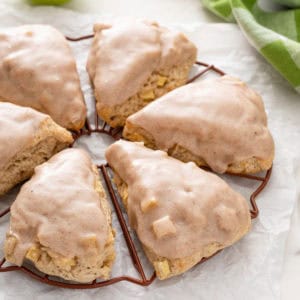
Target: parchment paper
column 251, row 268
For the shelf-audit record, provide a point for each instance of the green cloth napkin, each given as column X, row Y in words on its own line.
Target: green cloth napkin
column 276, row 35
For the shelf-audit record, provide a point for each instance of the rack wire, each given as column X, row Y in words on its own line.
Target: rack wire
column 104, row 170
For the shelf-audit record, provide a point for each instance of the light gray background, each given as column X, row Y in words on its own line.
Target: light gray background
column 187, row 12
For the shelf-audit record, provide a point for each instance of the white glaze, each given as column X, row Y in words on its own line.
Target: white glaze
column 194, row 208
column 59, row 208
column 38, row 70
column 220, row 120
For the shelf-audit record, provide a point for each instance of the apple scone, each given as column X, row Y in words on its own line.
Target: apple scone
column 27, row 139
column 180, row 213
column 38, row 70
column 133, row 62
column 61, row 220
column 220, row 123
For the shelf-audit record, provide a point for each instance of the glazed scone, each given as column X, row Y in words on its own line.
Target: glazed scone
column 38, row 70
column 180, row 213
column 61, row 220
column 133, row 62
column 220, row 123
column 27, row 139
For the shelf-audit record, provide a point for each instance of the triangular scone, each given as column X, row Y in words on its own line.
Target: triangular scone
column 38, row 70
column 220, row 123
column 61, row 220
column 133, row 62
column 27, row 139
column 180, row 212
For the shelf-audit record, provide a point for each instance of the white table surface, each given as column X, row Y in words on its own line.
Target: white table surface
column 191, row 11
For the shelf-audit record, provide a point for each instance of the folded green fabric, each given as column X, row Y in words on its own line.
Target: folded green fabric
column 276, row 35
column 289, row 3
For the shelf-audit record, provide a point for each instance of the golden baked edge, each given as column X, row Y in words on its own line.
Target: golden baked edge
column 249, row 166
column 164, row 267
column 49, row 139
column 158, row 84
column 76, row 269
column 73, row 125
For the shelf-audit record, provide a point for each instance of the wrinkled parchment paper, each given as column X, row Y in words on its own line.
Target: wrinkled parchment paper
column 251, row 268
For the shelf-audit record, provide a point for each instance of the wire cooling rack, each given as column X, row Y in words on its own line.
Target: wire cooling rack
column 104, row 170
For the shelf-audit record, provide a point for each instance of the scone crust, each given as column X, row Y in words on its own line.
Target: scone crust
column 158, row 84
column 48, row 140
column 73, row 268
column 164, row 267
column 251, row 165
